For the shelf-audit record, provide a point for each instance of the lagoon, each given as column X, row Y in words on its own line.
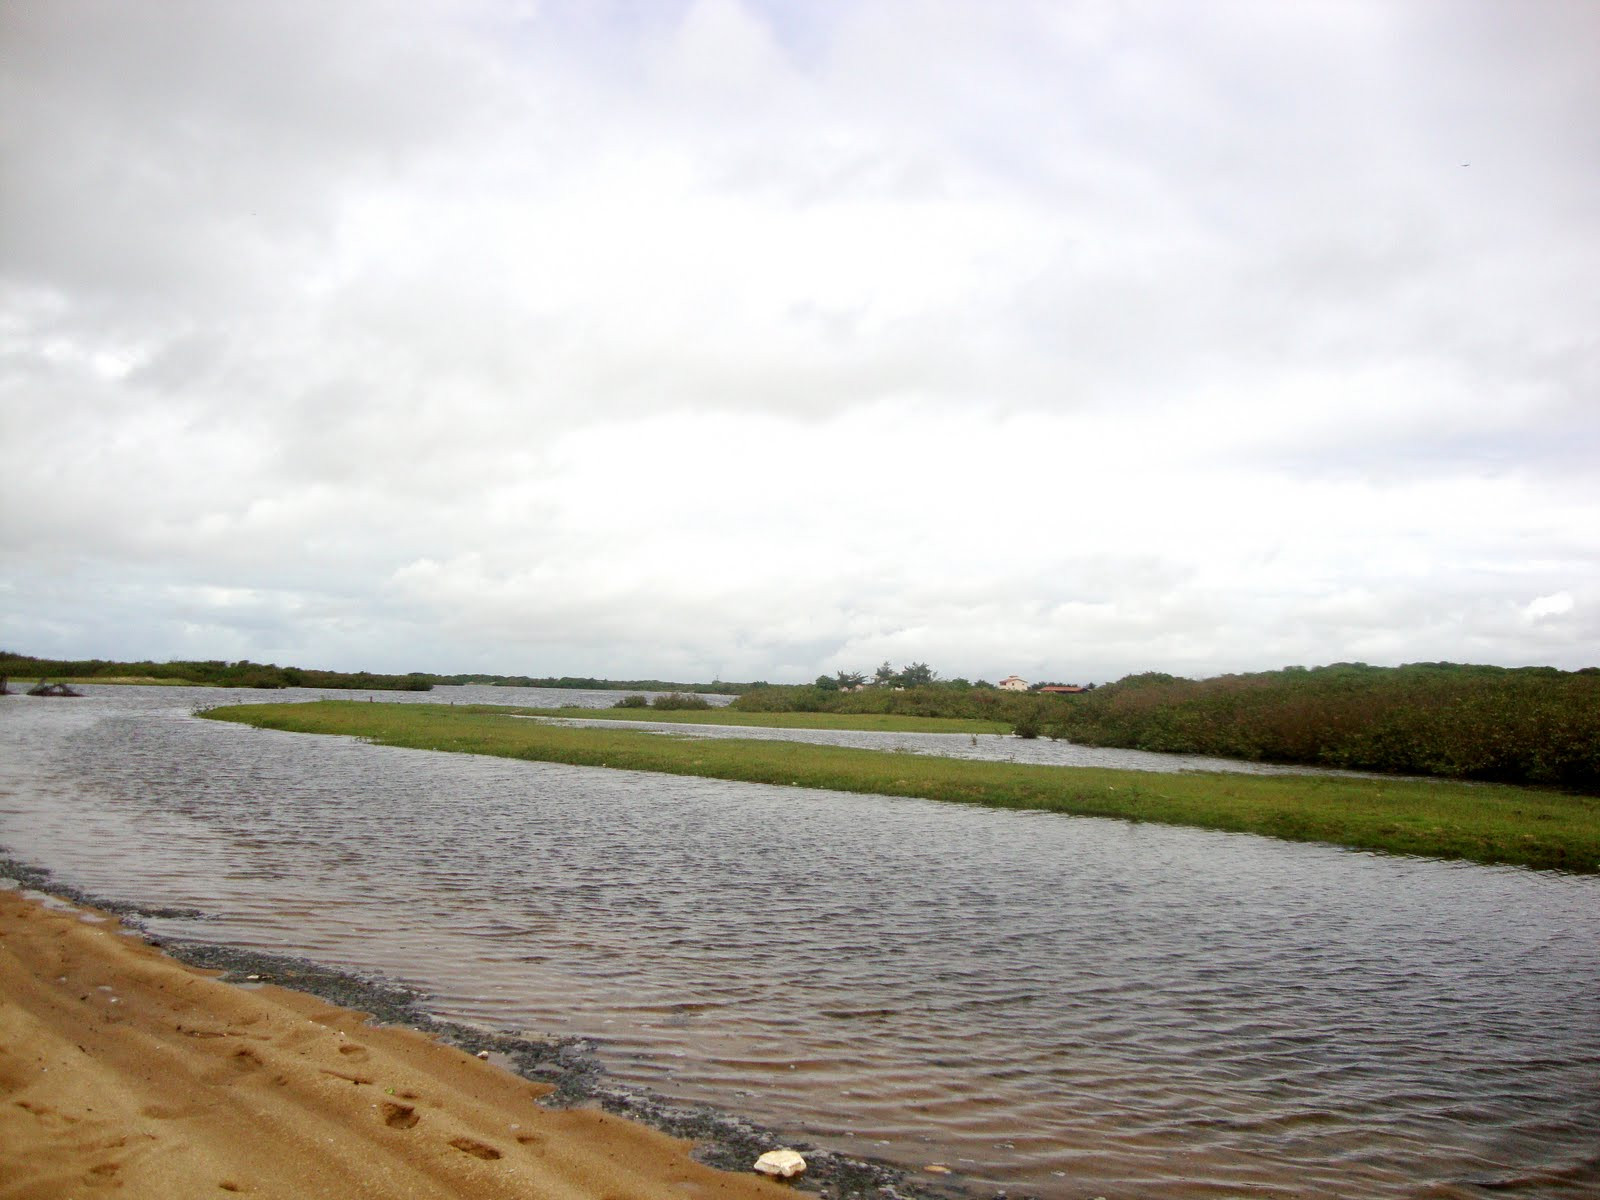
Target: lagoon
column 1056, row 1005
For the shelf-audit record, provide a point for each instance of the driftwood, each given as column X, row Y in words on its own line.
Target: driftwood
column 51, row 689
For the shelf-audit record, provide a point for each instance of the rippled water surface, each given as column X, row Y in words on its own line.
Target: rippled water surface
column 1065, row 1006
column 987, row 747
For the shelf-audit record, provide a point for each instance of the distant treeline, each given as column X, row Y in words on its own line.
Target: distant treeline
column 214, row 673
column 1531, row 725
column 269, row 675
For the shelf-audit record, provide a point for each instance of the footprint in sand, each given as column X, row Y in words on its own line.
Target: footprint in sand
column 354, row 1053
column 399, row 1116
column 475, row 1148
column 51, row 1117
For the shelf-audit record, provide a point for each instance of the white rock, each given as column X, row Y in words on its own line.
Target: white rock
column 785, row 1164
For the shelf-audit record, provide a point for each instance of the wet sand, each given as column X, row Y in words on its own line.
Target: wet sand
column 125, row 1072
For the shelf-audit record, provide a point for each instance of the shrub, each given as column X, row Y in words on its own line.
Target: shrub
column 765, row 699
column 677, row 700
column 632, row 702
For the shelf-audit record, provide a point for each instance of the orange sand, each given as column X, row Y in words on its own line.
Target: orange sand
column 126, row 1073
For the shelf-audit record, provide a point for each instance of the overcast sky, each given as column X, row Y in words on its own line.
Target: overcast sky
column 763, row 338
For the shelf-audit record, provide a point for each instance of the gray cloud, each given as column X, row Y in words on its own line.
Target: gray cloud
column 764, row 339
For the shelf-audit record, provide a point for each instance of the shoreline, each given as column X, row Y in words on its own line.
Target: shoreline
column 672, row 1141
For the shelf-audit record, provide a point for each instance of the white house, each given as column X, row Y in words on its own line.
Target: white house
column 1013, row 683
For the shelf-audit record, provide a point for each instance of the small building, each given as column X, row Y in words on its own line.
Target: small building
column 1013, row 683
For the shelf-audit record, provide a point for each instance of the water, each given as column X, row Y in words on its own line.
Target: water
column 1064, row 1006
column 986, row 747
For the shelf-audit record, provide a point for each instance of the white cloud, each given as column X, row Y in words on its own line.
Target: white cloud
column 1558, row 604
column 772, row 340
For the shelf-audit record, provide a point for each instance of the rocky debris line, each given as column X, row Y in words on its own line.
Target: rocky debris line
column 39, row 879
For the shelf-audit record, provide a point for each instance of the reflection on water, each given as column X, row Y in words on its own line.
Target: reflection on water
column 1065, row 1006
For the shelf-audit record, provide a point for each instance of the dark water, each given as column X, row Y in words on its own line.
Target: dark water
column 1064, row 1006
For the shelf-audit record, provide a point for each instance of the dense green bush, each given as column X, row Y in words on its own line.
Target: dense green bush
column 1524, row 725
column 634, row 701
column 680, row 700
column 785, row 698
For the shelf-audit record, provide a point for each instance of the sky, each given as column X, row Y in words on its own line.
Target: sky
column 759, row 339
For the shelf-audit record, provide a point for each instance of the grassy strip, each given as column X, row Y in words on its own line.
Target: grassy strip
column 1441, row 819
column 870, row 722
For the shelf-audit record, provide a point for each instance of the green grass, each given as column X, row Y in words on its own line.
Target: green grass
column 872, row 722
column 1443, row 819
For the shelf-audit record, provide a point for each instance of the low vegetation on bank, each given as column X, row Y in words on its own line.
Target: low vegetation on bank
column 1482, row 823
column 674, row 701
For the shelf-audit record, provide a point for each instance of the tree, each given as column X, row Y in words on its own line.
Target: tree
column 916, row 674
column 848, row 680
column 828, row 683
column 884, row 675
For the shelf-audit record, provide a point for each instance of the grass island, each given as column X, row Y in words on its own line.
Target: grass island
column 1483, row 823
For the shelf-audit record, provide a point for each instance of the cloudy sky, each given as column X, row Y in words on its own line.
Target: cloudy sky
column 763, row 338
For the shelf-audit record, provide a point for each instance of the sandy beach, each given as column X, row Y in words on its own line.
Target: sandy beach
column 124, row 1072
